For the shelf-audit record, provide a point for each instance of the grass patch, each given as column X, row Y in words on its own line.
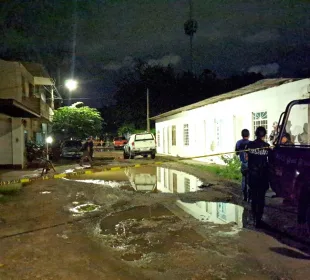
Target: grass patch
column 10, row 189
column 229, row 171
column 88, row 208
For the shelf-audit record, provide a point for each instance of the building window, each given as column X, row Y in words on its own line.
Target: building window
column 221, row 211
column 174, row 135
column 158, row 138
column 260, row 119
column 186, row 135
column 218, row 133
column 187, row 185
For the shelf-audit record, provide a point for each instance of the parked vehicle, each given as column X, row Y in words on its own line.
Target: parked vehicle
column 71, row 149
column 119, row 142
column 290, row 157
column 34, row 151
column 140, row 144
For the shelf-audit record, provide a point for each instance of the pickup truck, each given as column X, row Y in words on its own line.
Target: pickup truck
column 143, row 144
column 119, row 142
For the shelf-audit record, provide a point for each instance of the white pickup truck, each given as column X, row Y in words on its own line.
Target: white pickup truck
column 143, row 144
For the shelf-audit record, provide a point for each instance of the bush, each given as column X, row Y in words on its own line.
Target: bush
column 232, row 168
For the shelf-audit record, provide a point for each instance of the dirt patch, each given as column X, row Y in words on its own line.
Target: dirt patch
column 132, row 235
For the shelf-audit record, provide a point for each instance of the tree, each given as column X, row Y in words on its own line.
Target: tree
column 77, row 122
column 126, row 129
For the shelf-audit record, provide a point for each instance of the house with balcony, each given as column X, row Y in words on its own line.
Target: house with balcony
column 27, row 96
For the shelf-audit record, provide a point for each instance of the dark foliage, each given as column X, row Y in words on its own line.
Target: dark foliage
column 168, row 90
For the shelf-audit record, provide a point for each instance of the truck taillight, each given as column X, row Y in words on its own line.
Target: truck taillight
column 133, row 143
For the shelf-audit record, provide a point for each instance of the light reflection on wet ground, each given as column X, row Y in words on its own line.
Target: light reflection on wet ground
column 145, row 179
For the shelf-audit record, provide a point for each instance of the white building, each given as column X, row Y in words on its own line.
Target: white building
column 214, row 125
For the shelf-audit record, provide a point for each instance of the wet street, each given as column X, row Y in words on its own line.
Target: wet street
column 154, row 222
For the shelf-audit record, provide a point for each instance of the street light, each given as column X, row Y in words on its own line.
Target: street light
column 48, row 140
column 71, row 84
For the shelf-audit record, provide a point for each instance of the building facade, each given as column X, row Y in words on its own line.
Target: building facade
column 214, row 125
column 26, row 109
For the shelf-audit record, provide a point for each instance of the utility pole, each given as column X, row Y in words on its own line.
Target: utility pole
column 52, row 98
column 147, row 110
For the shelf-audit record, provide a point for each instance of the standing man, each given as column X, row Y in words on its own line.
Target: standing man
column 91, row 147
column 257, row 155
column 86, row 152
column 274, row 133
column 240, row 146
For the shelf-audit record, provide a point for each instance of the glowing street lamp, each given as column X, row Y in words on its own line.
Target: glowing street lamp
column 71, row 84
column 48, row 140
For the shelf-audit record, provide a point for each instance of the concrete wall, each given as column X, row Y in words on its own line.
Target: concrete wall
column 6, row 157
column 215, row 128
column 12, row 142
column 18, row 143
column 12, row 136
column 11, row 74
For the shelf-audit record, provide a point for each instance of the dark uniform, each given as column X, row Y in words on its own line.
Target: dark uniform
column 91, row 147
column 258, row 176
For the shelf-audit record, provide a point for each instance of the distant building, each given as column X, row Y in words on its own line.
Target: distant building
column 26, row 109
column 214, row 125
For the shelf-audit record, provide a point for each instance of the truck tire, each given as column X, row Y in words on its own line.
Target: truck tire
column 125, row 155
column 131, row 156
column 152, row 156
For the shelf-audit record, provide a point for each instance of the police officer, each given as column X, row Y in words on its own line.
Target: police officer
column 240, row 146
column 257, row 155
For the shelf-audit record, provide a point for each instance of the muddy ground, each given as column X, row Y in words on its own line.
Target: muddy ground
column 106, row 229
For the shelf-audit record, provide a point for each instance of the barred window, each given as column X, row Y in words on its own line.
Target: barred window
column 186, row 135
column 187, row 185
column 260, row 119
column 174, row 135
column 158, row 138
column 221, row 211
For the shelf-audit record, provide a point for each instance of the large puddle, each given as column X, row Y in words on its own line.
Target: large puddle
column 146, row 179
column 147, row 230
column 142, row 231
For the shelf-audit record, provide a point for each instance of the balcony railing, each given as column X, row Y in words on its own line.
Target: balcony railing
column 37, row 105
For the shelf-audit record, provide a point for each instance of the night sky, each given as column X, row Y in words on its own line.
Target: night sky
column 271, row 37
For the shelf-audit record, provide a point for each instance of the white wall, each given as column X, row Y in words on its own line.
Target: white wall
column 229, row 117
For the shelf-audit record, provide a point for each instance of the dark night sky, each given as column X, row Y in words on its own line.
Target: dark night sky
column 271, row 37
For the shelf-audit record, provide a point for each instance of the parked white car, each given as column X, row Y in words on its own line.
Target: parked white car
column 143, row 144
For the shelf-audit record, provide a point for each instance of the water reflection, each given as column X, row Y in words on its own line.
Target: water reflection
column 146, row 179
column 173, row 181
column 160, row 179
column 215, row 212
column 142, row 181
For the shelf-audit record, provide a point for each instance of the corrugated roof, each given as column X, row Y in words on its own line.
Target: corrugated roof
column 36, row 69
column 260, row 85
